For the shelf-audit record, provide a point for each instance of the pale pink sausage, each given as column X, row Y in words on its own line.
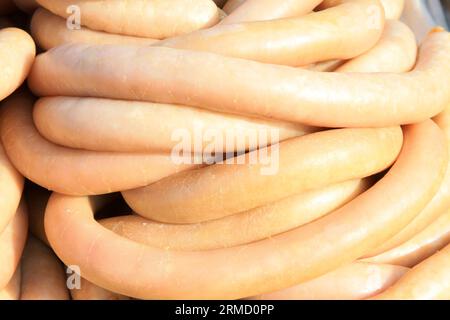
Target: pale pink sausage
column 252, row 225
column 355, row 281
column 429, row 280
column 142, row 18
column 73, row 171
column 43, row 276
column 258, row 10
column 17, row 53
column 396, row 51
column 12, row 289
column 90, row 291
column 283, row 261
column 12, row 242
column 133, row 126
column 294, row 41
column 437, row 206
column 316, row 98
column 424, row 244
column 49, row 30
column 11, row 186
column 299, row 164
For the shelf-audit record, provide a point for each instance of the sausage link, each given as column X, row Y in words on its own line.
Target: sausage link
column 90, row 291
column 304, row 163
column 190, row 78
column 395, row 52
column 437, row 206
column 132, row 126
column 17, row 53
column 260, row 10
column 12, row 289
column 12, row 242
column 355, row 281
column 427, row 242
column 27, row 6
column 428, row 280
column 156, row 19
column 43, row 276
column 77, row 172
column 252, row 225
column 393, row 8
column 293, row 41
column 11, row 187
column 50, row 31
column 285, row 260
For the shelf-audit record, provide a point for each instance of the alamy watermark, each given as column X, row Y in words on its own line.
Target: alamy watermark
column 73, row 281
column 231, row 146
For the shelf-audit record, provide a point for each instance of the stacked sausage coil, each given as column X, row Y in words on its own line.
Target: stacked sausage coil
column 17, row 52
column 358, row 206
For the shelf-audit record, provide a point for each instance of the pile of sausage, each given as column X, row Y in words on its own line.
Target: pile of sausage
column 358, row 208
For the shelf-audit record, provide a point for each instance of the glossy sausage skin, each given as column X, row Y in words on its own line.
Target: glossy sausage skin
column 43, row 276
column 293, row 257
column 313, row 98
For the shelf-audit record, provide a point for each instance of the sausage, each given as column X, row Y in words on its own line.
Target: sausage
column 438, row 205
column 299, row 164
column 295, row 41
column 11, row 187
column 252, row 225
column 155, row 19
column 90, row 291
column 260, row 10
column 285, row 260
column 12, row 242
column 76, row 172
column 355, row 281
column 132, row 126
column 251, row 88
column 395, row 52
column 50, row 31
column 12, row 289
column 17, row 53
column 43, row 276
column 427, row 242
column 429, row 280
